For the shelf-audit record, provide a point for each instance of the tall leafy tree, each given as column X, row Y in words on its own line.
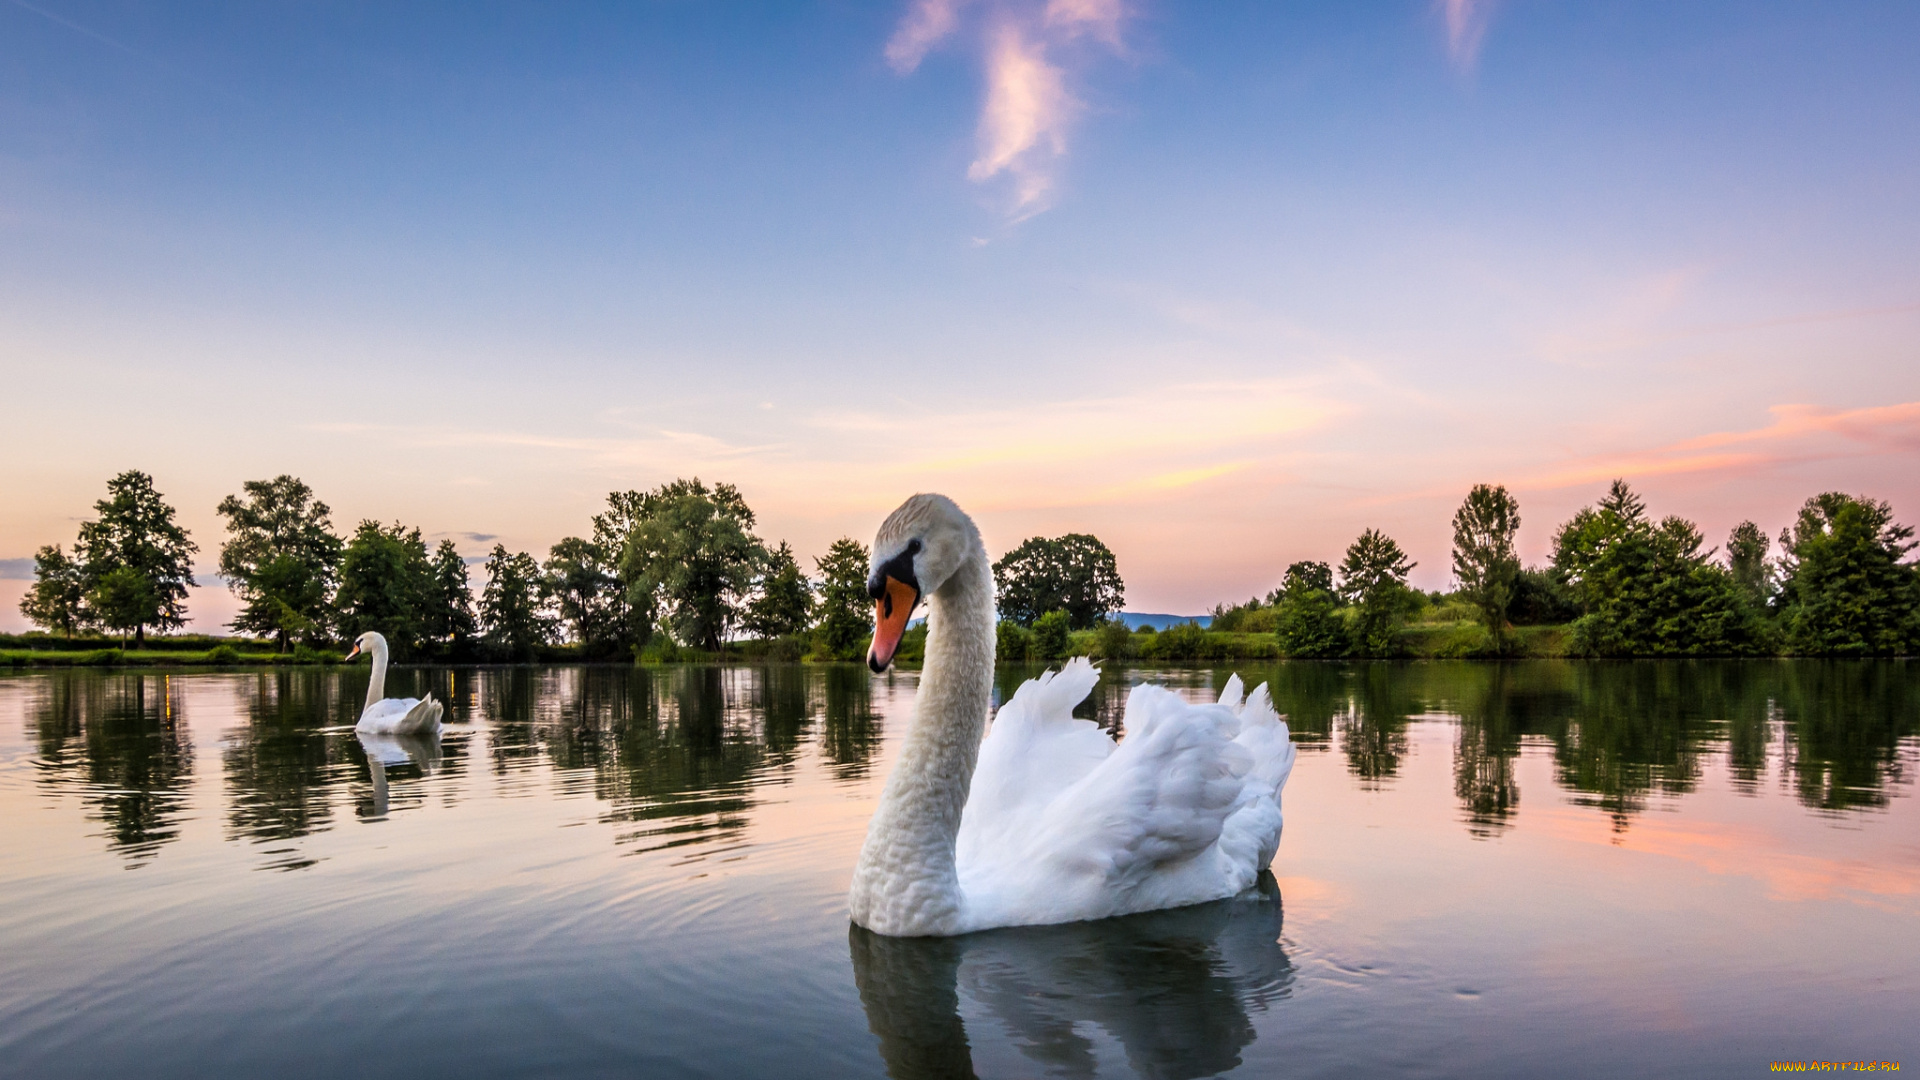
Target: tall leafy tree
column 784, row 602
column 512, row 621
column 124, row 599
column 136, row 531
column 386, row 584
column 691, row 550
column 1483, row 555
column 280, row 557
column 1075, row 573
column 845, row 610
column 1747, row 562
column 1373, row 578
column 1846, row 590
column 57, row 599
column 583, row 585
column 1307, row 620
column 448, row 617
column 631, row 607
column 1647, row 588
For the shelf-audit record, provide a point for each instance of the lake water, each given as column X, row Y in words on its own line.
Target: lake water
column 1493, row 870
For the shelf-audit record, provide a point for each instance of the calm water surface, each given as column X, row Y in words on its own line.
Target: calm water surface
column 1500, row 870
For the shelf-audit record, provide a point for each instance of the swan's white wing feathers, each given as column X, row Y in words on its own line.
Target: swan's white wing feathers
column 1178, row 813
column 401, row 716
column 1035, row 750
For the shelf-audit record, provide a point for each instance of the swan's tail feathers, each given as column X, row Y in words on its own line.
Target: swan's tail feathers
column 1231, row 694
column 422, row 718
column 1266, row 735
column 1252, row 833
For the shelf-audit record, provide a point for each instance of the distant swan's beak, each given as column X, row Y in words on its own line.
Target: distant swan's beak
column 890, row 614
column 354, row 653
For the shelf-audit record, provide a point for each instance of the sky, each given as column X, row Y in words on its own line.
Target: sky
column 1223, row 284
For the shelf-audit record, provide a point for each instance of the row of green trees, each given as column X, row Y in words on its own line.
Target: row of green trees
column 679, row 563
column 1627, row 585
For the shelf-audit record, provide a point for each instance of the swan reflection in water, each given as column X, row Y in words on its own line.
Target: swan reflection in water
column 1173, row 988
column 392, row 751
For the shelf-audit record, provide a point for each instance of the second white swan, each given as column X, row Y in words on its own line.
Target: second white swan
column 1048, row 820
column 383, row 715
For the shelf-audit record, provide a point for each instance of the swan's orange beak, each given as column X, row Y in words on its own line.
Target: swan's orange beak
column 890, row 614
column 354, row 653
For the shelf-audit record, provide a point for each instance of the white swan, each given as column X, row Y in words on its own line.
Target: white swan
column 1047, row 820
column 391, row 716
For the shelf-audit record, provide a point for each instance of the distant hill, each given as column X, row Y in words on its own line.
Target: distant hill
column 1137, row 619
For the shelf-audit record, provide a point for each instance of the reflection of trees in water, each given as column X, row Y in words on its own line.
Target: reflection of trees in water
column 118, row 741
column 1309, row 693
column 853, row 729
column 278, row 766
column 294, row 751
column 1621, row 731
column 1845, row 722
column 676, row 751
column 1373, row 730
column 1173, row 988
column 1488, row 744
column 1636, row 728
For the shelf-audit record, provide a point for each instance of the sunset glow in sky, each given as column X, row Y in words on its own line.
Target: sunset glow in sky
column 1221, row 283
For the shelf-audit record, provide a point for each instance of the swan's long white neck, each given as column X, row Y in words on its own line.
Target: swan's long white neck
column 905, row 883
column 377, row 686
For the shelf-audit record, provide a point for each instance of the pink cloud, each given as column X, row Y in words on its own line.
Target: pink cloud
column 1029, row 105
column 1466, row 28
column 1797, row 433
column 927, row 22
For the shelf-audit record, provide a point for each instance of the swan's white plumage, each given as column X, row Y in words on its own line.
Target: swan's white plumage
column 401, row 716
column 391, row 716
column 1063, row 824
column 1047, row 819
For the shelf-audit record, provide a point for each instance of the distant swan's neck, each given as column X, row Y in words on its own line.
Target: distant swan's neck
column 905, row 883
column 377, row 686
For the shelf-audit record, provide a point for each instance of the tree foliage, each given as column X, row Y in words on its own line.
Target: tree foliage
column 783, row 603
column 124, row 599
column 512, row 619
column 691, row 550
column 1747, row 562
column 845, row 610
column 630, row 609
column 136, row 531
column 1483, row 557
column 57, row 598
column 1052, row 633
column 1373, row 578
column 387, row 584
column 583, row 584
column 1846, row 591
column 1075, row 573
column 1307, row 621
column 280, row 557
column 1646, row 588
column 449, row 618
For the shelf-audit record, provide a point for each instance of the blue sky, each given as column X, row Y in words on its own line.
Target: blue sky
column 1222, row 283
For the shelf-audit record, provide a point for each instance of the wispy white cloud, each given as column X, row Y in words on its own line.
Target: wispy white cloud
column 926, row 23
column 1023, row 125
column 1466, row 29
column 1028, row 58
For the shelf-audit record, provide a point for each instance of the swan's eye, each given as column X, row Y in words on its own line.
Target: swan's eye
column 913, row 547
